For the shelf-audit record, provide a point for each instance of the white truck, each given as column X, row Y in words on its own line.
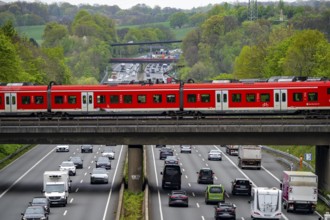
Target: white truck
column 299, row 191
column 266, row 203
column 56, row 187
column 249, row 156
column 325, row 217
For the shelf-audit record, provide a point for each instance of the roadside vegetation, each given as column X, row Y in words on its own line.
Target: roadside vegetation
column 11, row 152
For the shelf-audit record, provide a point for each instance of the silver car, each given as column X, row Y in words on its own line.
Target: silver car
column 99, row 175
column 214, row 155
column 185, row 149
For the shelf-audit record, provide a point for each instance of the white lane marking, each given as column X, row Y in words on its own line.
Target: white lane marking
column 203, row 159
column 206, row 165
column 113, row 180
column 186, row 176
column 199, row 155
column 189, row 184
column 193, row 194
column 182, row 170
column 197, row 204
column 277, row 179
column 66, row 211
column 89, row 167
column 77, row 189
column 28, row 171
column 155, row 168
column 85, row 174
column 81, row 181
column 71, row 200
column 203, row 218
column 215, row 177
column 246, row 175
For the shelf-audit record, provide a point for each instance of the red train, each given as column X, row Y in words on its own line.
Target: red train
column 170, row 99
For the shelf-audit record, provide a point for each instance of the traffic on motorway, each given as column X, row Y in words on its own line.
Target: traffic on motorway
column 214, row 188
column 52, row 177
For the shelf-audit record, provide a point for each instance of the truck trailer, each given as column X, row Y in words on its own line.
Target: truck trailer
column 299, row 191
column 56, row 187
column 249, row 156
column 266, row 203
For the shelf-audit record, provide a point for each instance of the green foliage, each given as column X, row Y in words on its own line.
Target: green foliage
column 54, row 34
column 133, row 206
column 178, row 19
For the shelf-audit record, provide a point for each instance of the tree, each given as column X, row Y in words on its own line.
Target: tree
column 53, row 34
column 178, row 19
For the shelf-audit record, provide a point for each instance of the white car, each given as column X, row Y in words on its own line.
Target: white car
column 109, row 153
column 214, row 155
column 68, row 166
column 62, row 148
column 185, row 149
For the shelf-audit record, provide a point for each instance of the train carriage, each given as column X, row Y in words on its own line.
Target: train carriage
column 171, row 99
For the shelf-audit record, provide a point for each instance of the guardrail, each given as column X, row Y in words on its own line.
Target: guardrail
column 288, row 158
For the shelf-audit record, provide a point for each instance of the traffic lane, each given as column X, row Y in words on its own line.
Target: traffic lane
column 22, row 165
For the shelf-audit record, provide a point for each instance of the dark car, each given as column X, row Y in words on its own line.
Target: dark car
column 35, row 213
column 87, row 148
column 171, row 160
column 103, row 162
column 241, row 186
column 225, row 211
column 77, row 161
column 178, row 198
column 41, row 201
column 205, row 175
column 164, row 152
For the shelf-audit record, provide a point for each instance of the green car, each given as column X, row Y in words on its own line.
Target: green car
column 214, row 194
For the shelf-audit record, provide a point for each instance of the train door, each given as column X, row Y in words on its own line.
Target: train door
column 10, row 102
column 280, row 99
column 87, row 100
column 221, row 100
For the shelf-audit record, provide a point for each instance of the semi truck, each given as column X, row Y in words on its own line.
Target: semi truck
column 56, row 187
column 299, row 191
column 249, row 156
column 266, row 203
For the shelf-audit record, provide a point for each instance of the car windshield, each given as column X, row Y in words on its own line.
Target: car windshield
column 67, row 164
column 214, row 152
column 99, row 171
column 103, row 160
column 75, row 159
column 206, row 172
column 54, row 188
column 216, row 189
column 39, row 200
column 34, row 210
column 243, row 182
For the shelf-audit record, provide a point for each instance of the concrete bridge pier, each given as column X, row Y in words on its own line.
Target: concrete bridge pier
column 135, row 168
column 322, row 166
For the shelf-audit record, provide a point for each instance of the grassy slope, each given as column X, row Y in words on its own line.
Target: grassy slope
column 34, row 32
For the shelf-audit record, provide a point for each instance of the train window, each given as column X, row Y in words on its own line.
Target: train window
column 170, row 98
column 7, row 100
column 328, row 91
column 114, row 99
column 90, row 99
column 236, row 97
column 264, row 97
column 127, row 99
column 72, row 99
column 13, row 100
column 205, row 97
column 283, row 97
column 297, row 97
column 218, row 98
column 84, row 99
column 58, row 99
column 157, row 98
column 277, row 97
column 26, row 99
column 224, row 98
column 250, row 97
column 100, row 99
column 142, row 99
column 191, row 98
column 312, row 96
column 0, row 100
column 38, row 99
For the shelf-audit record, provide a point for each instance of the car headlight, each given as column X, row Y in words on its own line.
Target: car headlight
column 24, row 218
column 43, row 218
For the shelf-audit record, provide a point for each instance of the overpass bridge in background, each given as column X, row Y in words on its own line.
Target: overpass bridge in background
column 138, row 131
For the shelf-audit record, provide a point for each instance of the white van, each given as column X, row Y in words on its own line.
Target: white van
column 266, row 203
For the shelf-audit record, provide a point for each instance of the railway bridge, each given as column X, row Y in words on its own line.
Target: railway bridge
column 138, row 131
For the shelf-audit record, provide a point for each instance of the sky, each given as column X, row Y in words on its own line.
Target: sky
column 126, row 4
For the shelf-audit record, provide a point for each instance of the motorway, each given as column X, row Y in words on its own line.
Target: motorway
column 225, row 171
column 22, row 180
